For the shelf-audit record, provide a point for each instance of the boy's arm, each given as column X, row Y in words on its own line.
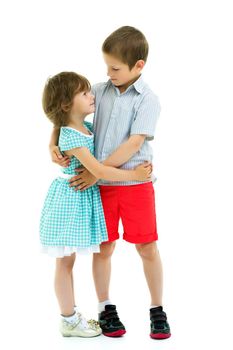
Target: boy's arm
column 55, row 153
column 143, row 127
column 125, row 151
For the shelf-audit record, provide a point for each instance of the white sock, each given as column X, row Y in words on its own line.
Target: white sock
column 70, row 319
column 101, row 306
column 152, row 306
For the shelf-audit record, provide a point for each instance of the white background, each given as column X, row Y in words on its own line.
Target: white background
column 190, row 68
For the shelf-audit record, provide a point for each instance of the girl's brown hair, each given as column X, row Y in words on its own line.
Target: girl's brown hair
column 127, row 44
column 58, row 95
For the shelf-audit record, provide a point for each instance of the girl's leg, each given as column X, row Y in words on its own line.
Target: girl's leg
column 153, row 270
column 64, row 284
column 102, row 270
column 72, row 282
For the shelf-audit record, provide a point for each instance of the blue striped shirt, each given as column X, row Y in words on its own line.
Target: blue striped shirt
column 120, row 115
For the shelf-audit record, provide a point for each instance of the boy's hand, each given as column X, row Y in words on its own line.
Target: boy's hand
column 58, row 158
column 83, row 180
column 143, row 171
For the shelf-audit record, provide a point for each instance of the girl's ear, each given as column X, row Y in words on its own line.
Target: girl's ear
column 65, row 107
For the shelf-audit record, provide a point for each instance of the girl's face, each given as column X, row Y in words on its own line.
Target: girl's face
column 83, row 104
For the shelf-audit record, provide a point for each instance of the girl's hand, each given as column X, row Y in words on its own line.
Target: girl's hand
column 58, row 158
column 83, row 180
column 143, row 171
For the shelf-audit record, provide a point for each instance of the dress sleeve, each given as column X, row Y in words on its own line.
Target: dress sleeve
column 89, row 125
column 70, row 139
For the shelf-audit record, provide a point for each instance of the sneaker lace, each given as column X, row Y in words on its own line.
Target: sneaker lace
column 93, row 323
column 82, row 320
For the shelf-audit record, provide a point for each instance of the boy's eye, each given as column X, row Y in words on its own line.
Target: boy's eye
column 115, row 69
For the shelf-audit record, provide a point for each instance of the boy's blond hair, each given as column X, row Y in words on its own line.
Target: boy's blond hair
column 127, row 44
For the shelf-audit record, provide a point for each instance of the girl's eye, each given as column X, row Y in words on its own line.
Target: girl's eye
column 115, row 69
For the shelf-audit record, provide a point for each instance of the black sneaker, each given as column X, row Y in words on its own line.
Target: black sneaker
column 159, row 327
column 110, row 323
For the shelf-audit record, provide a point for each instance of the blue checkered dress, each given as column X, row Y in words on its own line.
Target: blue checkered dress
column 70, row 218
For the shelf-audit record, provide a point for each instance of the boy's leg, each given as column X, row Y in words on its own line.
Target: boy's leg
column 153, row 270
column 108, row 317
column 102, row 261
column 102, row 270
column 138, row 214
column 137, row 211
column 154, row 276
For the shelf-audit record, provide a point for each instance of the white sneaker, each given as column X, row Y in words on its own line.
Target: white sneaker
column 79, row 328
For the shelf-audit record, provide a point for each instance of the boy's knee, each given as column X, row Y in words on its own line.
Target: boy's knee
column 147, row 250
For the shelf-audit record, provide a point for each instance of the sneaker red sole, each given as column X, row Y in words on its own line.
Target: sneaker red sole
column 115, row 334
column 160, row 335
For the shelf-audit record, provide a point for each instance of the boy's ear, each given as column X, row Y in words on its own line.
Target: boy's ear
column 140, row 64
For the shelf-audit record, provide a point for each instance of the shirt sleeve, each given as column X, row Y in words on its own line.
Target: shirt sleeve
column 70, row 139
column 146, row 117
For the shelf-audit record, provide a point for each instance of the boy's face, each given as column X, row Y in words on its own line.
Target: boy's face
column 120, row 74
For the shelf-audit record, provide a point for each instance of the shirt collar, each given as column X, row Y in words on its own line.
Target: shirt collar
column 138, row 85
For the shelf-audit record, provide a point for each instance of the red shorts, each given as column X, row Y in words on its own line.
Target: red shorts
column 135, row 205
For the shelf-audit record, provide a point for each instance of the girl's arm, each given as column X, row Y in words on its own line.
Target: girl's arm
column 54, row 137
column 100, row 171
column 55, row 153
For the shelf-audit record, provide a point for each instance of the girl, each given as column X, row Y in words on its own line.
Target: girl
column 73, row 222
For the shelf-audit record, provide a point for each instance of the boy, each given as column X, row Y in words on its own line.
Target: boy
column 125, row 118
